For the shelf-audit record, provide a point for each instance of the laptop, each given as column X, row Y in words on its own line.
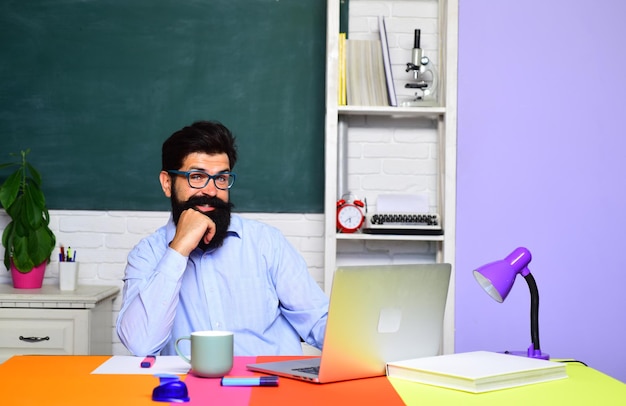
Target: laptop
column 377, row 314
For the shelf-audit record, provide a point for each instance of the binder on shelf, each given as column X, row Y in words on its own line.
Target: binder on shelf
column 391, row 89
column 365, row 75
column 342, row 70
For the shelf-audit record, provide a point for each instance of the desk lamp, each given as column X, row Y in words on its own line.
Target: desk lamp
column 497, row 279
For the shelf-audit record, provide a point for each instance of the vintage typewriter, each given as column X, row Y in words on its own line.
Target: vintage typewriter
column 403, row 223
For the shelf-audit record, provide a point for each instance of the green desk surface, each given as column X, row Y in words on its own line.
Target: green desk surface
column 584, row 386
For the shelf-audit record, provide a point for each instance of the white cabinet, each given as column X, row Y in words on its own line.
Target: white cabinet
column 50, row 321
column 385, row 150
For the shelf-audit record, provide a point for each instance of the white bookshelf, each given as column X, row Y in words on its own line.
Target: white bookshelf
column 376, row 150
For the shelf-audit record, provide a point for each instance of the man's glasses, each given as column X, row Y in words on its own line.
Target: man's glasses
column 199, row 179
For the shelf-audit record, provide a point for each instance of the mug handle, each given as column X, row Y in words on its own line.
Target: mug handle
column 180, row 354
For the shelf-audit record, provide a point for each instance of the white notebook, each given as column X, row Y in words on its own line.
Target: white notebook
column 478, row 371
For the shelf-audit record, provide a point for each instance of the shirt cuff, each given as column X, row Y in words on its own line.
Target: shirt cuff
column 173, row 264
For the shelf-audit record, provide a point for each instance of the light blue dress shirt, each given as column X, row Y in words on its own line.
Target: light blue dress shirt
column 255, row 285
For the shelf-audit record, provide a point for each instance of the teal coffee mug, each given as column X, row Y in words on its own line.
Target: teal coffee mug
column 211, row 353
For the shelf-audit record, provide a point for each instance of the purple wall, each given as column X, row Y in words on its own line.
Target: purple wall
column 542, row 164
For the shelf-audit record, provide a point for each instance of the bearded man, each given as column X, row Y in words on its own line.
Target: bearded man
column 210, row 269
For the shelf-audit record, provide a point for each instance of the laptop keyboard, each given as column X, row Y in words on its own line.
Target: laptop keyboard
column 308, row 370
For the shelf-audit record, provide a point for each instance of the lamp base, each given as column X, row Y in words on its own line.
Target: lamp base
column 530, row 353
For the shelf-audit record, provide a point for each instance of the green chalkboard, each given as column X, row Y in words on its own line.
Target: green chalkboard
column 95, row 87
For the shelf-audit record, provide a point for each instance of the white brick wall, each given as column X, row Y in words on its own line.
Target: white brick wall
column 392, row 155
column 102, row 241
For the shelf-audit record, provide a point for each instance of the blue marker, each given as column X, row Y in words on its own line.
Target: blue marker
column 250, row 381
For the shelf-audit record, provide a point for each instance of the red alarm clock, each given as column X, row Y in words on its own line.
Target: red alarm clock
column 350, row 216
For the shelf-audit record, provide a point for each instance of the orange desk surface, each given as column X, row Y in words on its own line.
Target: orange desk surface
column 67, row 380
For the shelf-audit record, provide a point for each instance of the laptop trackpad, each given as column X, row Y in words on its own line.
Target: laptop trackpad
column 389, row 319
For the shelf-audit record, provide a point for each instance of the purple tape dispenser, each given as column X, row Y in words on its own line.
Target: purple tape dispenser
column 170, row 389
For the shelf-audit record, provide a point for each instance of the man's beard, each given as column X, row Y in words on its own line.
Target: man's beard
column 220, row 216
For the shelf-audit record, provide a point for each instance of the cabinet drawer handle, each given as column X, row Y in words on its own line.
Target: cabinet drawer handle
column 34, row 339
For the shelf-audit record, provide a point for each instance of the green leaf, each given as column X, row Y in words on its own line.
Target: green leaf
column 15, row 210
column 46, row 218
column 20, row 229
column 34, row 174
column 7, row 164
column 10, row 189
column 21, row 256
column 35, row 195
column 7, row 260
column 34, row 204
column 38, row 245
column 7, row 242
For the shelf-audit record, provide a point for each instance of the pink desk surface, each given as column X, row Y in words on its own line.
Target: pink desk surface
column 372, row 391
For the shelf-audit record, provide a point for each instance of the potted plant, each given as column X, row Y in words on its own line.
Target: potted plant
column 27, row 239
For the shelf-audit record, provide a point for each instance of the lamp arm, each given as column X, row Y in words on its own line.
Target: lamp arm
column 534, row 310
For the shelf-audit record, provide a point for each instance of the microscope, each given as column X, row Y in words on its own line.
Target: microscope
column 424, row 76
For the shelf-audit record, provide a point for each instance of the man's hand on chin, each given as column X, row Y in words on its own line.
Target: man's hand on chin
column 193, row 227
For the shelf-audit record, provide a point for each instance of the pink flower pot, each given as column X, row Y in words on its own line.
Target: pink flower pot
column 29, row 280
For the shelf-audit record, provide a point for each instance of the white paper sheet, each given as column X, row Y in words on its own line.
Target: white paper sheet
column 121, row 364
column 401, row 203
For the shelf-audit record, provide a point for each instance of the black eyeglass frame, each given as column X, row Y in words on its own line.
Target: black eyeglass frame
column 231, row 178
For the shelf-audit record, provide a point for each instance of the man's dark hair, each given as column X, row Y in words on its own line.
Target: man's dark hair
column 209, row 137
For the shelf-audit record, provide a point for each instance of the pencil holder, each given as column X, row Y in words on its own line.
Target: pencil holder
column 68, row 275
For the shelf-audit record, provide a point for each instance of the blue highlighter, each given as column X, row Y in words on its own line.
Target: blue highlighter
column 250, row 381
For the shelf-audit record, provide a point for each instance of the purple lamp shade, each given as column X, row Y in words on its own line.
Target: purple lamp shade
column 497, row 278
